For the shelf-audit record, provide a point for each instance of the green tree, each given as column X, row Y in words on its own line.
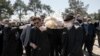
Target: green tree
column 48, row 9
column 77, row 7
column 96, row 16
column 99, row 14
column 65, row 12
column 20, row 8
column 35, row 6
column 6, row 9
column 38, row 8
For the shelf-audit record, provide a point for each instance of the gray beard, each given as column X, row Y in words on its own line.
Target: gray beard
column 68, row 25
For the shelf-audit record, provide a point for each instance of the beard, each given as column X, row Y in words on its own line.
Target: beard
column 68, row 25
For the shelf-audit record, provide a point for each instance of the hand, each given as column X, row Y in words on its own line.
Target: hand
column 33, row 45
column 0, row 31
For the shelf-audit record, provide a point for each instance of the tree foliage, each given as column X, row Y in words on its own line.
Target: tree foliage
column 48, row 9
column 76, row 7
column 6, row 9
column 20, row 8
column 37, row 7
column 99, row 14
column 96, row 16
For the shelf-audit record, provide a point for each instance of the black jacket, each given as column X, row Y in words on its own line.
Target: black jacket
column 11, row 42
column 40, row 39
column 72, row 41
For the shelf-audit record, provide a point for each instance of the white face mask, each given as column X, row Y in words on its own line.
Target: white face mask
column 85, row 22
column 6, row 25
column 89, row 22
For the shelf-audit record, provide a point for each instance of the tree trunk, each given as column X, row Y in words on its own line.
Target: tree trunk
column 35, row 13
column 20, row 15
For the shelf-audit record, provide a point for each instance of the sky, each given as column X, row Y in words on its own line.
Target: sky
column 59, row 5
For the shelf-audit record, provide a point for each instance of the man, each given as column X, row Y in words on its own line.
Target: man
column 43, row 17
column 35, row 34
column 38, row 39
column 11, row 42
column 72, row 38
column 98, row 33
column 25, row 36
column 89, row 35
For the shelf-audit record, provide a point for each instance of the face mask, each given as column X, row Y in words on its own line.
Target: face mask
column 85, row 23
column 6, row 25
column 89, row 22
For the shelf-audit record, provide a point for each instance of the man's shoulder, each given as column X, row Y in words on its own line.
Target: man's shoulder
column 25, row 26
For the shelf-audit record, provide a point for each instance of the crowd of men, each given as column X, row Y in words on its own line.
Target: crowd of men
column 46, row 36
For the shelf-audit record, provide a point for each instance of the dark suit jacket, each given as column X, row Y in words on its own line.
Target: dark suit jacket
column 92, row 29
column 40, row 39
column 72, row 41
column 35, row 35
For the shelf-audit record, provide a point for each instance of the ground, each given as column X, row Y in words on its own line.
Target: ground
column 96, row 50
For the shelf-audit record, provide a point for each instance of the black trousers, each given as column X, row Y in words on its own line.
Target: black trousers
column 54, row 51
column 89, row 42
column 36, row 52
column 98, row 34
column 28, row 50
column 67, row 53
